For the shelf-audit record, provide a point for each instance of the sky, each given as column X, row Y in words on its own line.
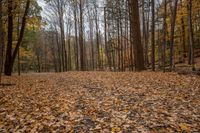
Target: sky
column 42, row 4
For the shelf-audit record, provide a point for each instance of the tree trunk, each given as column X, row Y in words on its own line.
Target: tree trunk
column 8, row 61
column 97, row 38
column 76, row 37
column 18, row 53
column 153, row 35
column 135, row 24
column 173, row 23
column 82, row 61
column 58, row 50
column 1, row 40
column 183, row 36
column 191, row 36
column 69, row 48
column 21, row 35
column 164, row 34
column 144, row 33
column 105, row 35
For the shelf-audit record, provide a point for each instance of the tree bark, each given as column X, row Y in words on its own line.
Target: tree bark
column 8, row 61
column 135, row 24
column 76, row 37
column 191, row 36
column 173, row 23
column 1, row 40
column 82, row 59
column 164, row 34
column 153, row 35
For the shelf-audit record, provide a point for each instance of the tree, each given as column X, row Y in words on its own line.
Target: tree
column 99, row 64
column 8, row 62
column 164, row 34
column 91, row 36
column 21, row 33
column 136, row 35
column 58, row 11
column 10, row 57
column 76, row 35
column 153, row 35
column 173, row 23
column 1, row 38
column 191, row 36
column 145, row 25
column 82, row 56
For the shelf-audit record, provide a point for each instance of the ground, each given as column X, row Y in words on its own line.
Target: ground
column 100, row 102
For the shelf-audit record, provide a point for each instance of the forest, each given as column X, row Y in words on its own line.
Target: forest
column 107, row 66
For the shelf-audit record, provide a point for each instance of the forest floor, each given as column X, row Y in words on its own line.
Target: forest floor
column 100, row 102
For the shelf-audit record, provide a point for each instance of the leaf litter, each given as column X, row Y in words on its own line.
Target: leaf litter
column 104, row 102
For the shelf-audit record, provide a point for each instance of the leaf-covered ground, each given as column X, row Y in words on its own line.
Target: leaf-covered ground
column 100, row 102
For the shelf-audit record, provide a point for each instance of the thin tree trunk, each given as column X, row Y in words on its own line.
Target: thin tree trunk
column 190, row 31
column 76, row 38
column 144, row 31
column 91, row 36
column 21, row 35
column 173, row 23
column 58, row 50
column 97, row 39
column 69, row 47
column 164, row 34
column 147, row 36
column 18, row 53
column 82, row 61
column 153, row 35
column 105, row 35
column 53, row 49
column 183, row 36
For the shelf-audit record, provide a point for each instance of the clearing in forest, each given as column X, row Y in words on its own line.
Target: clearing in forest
column 100, row 102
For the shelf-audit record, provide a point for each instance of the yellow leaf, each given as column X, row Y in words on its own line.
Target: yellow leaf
column 184, row 127
column 115, row 129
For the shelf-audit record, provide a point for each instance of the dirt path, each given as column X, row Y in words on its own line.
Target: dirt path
column 100, row 102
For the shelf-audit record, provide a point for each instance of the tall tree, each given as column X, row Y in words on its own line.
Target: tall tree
column 183, row 34
column 10, row 57
column 153, row 35
column 191, row 36
column 8, row 61
column 60, row 8
column 97, row 35
column 21, row 33
column 1, row 39
column 164, row 34
column 136, row 35
column 173, row 24
column 76, row 35
column 82, row 56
